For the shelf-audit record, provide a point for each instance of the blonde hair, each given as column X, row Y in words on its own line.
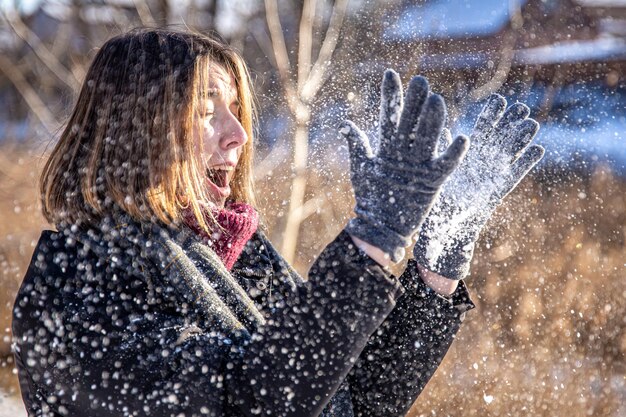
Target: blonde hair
column 128, row 142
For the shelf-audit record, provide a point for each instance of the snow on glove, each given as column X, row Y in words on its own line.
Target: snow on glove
column 500, row 155
column 396, row 187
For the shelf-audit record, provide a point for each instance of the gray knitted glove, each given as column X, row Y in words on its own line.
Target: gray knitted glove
column 498, row 158
column 396, row 187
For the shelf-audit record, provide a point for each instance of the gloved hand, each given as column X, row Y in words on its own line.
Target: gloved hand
column 498, row 158
column 396, row 187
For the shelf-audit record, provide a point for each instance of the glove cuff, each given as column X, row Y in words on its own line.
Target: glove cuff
column 456, row 304
column 380, row 236
column 452, row 263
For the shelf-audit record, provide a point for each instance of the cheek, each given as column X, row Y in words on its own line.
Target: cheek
column 208, row 138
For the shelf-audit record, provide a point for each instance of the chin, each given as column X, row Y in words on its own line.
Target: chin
column 220, row 204
column 217, row 201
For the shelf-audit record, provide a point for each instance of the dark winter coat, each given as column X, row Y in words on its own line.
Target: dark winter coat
column 140, row 320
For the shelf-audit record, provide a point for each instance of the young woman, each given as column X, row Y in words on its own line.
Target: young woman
column 158, row 295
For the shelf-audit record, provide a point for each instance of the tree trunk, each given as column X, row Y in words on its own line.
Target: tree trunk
column 298, row 188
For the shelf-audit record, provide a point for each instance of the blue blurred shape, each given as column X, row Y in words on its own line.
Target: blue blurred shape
column 582, row 124
column 446, row 19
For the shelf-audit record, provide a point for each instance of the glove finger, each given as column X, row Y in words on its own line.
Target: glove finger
column 390, row 108
column 416, row 95
column 444, row 141
column 429, row 128
column 490, row 114
column 520, row 168
column 358, row 143
column 453, row 156
column 525, row 131
column 503, row 132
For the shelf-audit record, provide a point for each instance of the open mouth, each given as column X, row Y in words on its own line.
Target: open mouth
column 219, row 179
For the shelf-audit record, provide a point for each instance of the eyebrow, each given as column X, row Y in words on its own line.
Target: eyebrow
column 217, row 92
column 214, row 92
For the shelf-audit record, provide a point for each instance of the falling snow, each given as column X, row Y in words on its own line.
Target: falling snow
column 122, row 319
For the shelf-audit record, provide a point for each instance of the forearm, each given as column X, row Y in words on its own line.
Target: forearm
column 438, row 283
column 301, row 356
column 403, row 354
column 377, row 254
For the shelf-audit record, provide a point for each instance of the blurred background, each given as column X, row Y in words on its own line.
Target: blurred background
column 548, row 336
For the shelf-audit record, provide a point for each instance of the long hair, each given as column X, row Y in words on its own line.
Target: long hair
column 128, row 142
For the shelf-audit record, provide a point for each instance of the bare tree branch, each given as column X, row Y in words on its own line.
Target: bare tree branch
column 145, row 15
column 276, row 157
column 506, row 56
column 31, row 97
column 280, row 53
column 305, row 42
column 309, row 208
column 62, row 39
column 265, row 43
column 499, row 76
column 319, row 73
column 163, row 12
column 40, row 50
column 212, row 11
column 79, row 69
column 308, row 82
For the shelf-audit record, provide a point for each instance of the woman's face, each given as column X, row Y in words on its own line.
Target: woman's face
column 218, row 134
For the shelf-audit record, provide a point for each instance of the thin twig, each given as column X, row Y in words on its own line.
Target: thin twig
column 280, row 53
column 310, row 207
column 145, row 15
column 506, row 57
column 276, row 157
column 500, row 75
column 318, row 74
column 305, row 42
column 265, row 43
column 40, row 50
column 31, row 97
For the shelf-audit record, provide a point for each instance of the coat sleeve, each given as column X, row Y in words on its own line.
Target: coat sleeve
column 289, row 367
column 294, row 364
column 403, row 354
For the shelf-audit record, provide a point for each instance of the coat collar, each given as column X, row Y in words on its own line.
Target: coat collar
column 260, row 260
column 183, row 267
column 256, row 261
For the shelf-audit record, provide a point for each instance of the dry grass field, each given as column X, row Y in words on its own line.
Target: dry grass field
column 548, row 336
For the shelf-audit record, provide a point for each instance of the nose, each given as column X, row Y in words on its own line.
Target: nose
column 234, row 135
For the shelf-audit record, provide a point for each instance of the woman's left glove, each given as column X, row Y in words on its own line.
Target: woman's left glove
column 499, row 157
column 396, row 187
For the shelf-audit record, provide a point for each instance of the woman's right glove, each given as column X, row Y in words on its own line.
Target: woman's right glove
column 396, row 187
column 498, row 158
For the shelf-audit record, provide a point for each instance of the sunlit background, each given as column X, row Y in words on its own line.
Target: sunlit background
column 548, row 337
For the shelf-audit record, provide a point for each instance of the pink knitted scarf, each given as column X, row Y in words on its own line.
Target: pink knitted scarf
column 236, row 223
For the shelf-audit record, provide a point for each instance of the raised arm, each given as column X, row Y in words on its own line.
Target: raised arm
column 298, row 360
column 406, row 350
column 404, row 353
